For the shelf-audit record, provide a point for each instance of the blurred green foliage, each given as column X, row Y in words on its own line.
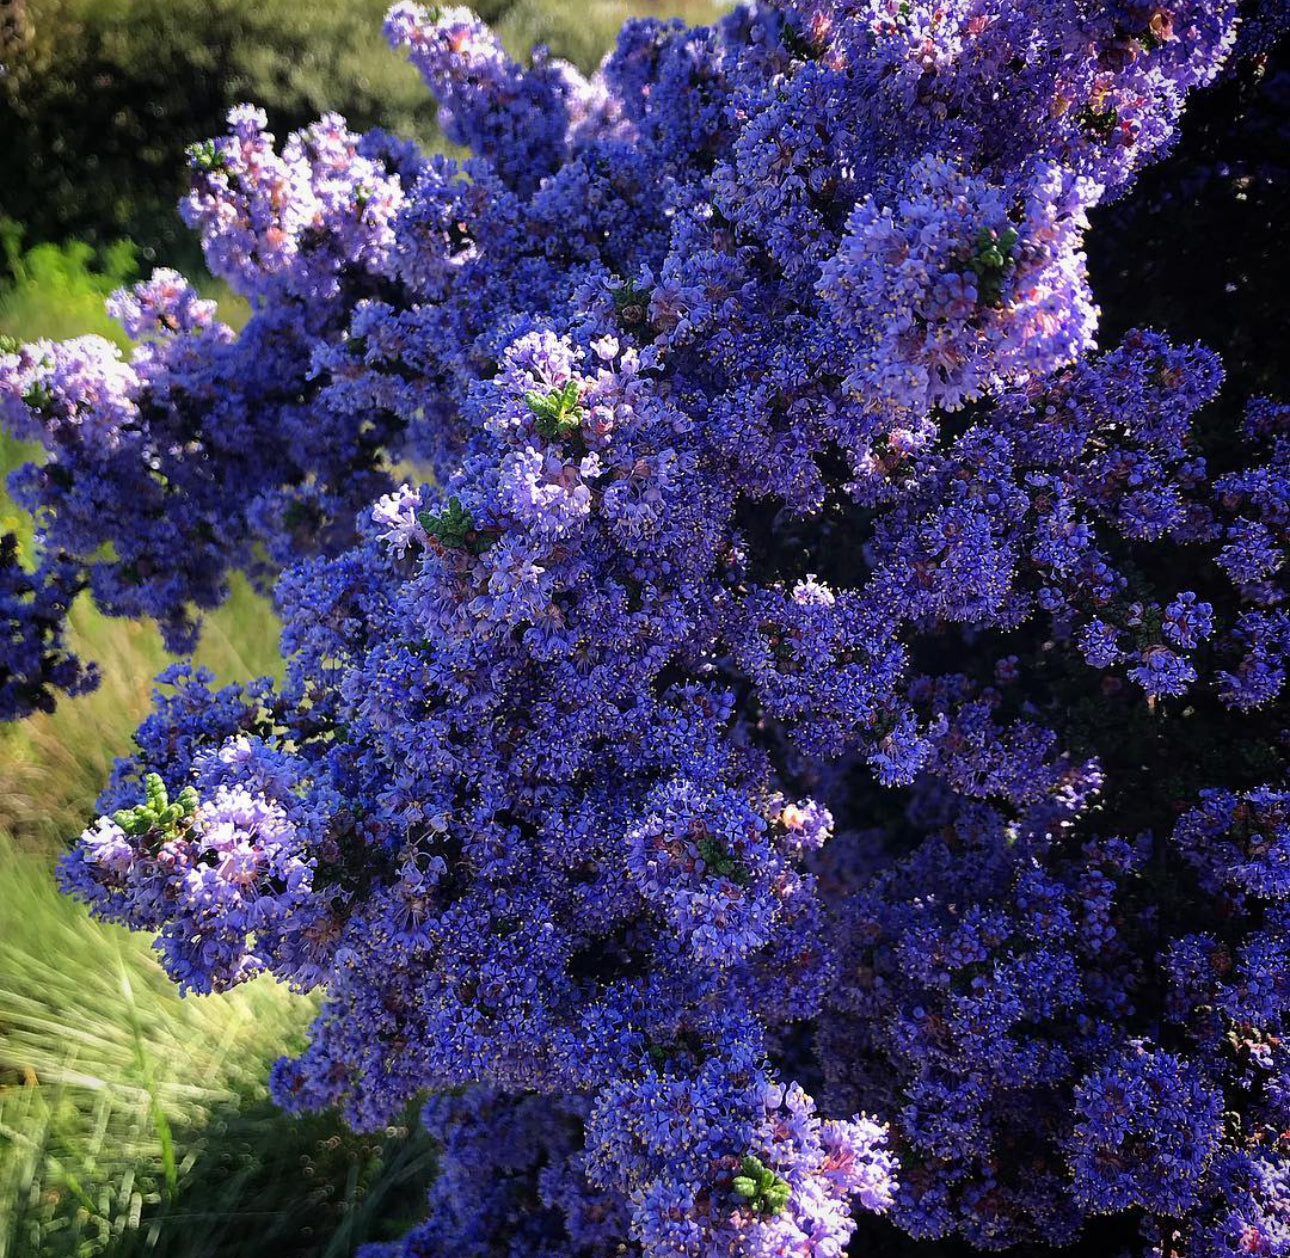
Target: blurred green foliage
column 581, row 30
column 101, row 97
column 58, row 290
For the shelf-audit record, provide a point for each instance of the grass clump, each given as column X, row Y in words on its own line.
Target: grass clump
column 133, row 1121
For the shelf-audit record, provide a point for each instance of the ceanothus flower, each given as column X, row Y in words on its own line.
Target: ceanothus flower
column 948, row 293
column 806, row 741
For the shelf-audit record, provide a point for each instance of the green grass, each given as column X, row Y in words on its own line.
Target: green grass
column 133, row 1121
column 136, row 1122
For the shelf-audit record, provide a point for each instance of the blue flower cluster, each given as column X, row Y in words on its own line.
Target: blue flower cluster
column 814, row 748
column 36, row 661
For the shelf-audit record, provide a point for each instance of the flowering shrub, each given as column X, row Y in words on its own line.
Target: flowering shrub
column 813, row 665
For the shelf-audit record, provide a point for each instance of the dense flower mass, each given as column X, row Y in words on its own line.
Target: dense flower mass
column 812, row 746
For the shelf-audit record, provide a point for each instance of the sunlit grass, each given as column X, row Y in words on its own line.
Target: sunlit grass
column 134, row 1121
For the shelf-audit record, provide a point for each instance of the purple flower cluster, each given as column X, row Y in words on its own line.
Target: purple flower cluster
column 815, row 747
column 35, row 661
column 948, row 296
column 520, row 120
column 204, row 452
column 228, row 885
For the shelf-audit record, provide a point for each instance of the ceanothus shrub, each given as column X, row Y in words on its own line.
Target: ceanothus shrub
column 811, row 747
